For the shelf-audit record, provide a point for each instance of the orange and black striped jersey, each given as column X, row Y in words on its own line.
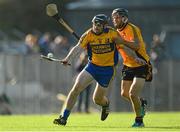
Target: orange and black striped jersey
column 129, row 33
column 101, row 48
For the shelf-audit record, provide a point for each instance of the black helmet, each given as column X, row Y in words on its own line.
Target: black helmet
column 121, row 11
column 101, row 18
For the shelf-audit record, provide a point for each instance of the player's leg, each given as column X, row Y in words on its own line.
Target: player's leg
column 103, row 77
column 100, row 98
column 127, row 80
column 143, row 106
column 125, row 86
column 82, row 81
column 134, row 92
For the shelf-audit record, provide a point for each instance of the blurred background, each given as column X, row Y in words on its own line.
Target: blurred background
column 30, row 85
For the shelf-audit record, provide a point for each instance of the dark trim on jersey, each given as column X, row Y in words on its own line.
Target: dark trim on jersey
column 89, row 52
column 123, row 26
column 116, row 56
column 102, row 48
column 116, row 53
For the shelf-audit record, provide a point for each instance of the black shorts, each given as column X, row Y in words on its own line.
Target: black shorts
column 128, row 73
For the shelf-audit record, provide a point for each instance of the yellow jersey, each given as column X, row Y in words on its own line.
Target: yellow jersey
column 128, row 34
column 101, row 48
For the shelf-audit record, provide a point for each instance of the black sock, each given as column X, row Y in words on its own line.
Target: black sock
column 139, row 119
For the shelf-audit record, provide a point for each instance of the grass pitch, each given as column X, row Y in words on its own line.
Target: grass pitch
column 169, row 121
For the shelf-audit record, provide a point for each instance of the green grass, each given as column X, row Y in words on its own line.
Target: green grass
column 169, row 121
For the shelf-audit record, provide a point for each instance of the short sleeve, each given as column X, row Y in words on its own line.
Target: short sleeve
column 84, row 40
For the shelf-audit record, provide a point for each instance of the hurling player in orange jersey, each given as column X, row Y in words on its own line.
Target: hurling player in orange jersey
column 135, row 69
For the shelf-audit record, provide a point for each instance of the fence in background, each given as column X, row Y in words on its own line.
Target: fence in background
column 32, row 85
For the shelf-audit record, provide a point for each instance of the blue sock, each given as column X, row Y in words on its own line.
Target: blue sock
column 66, row 114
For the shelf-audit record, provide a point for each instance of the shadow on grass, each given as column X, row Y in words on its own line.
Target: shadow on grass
column 90, row 128
column 121, row 127
column 164, row 127
column 94, row 127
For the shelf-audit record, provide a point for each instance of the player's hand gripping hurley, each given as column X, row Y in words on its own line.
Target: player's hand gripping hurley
column 54, row 59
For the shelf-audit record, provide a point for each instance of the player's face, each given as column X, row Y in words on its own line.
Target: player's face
column 97, row 27
column 117, row 20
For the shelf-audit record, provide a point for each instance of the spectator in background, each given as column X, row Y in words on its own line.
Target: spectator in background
column 5, row 107
column 60, row 45
column 84, row 95
column 31, row 44
column 44, row 44
column 157, row 49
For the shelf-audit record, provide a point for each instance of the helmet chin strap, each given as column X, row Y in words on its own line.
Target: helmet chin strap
column 124, row 23
column 97, row 33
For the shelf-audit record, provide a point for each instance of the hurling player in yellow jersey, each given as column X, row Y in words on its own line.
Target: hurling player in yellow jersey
column 135, row 70
column 100, row 43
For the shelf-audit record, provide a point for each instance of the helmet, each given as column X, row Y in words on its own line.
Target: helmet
column 101, row 18
column 121, row 11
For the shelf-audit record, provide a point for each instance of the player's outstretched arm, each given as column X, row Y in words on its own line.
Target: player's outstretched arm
column 130, row 50
column 72, row 53
column 132, row 45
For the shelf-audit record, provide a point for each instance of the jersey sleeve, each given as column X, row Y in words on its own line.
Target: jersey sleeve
column 115, row 36
column 84, row 40
column 139, row 34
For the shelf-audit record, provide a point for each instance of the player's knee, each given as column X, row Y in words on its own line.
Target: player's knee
column 132, row 95
column 124, row 94
column 97, row 100
column 76, row 90
column 74, row 93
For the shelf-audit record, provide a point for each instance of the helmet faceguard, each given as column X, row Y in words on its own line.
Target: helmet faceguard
column 100, row 20
column 122, row 14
